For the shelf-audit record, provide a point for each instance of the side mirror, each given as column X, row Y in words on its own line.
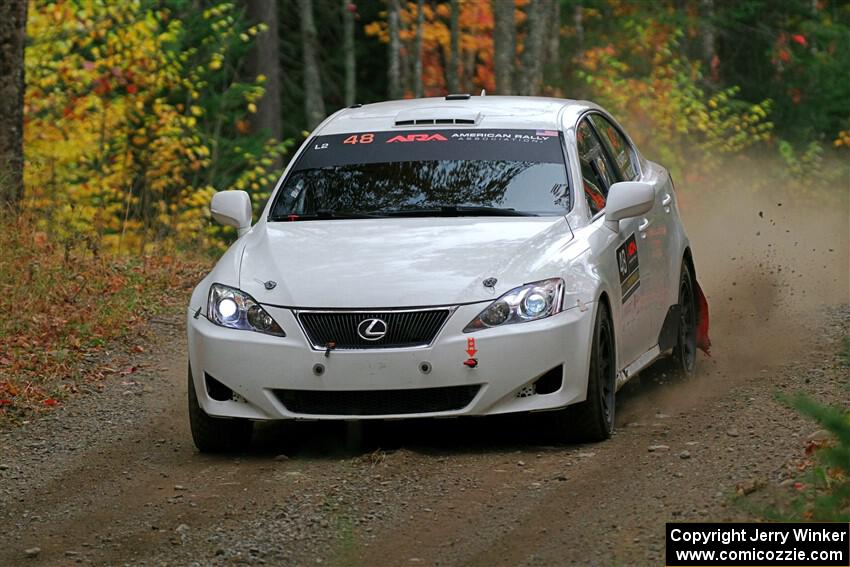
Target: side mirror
column 627, row 199
column 232, row 208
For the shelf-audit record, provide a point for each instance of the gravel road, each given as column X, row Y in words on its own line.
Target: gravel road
column 112, row 478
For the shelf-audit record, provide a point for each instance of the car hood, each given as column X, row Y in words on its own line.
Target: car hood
column 406, row 262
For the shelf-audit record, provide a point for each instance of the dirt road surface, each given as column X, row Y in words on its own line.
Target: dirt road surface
column 112, row 478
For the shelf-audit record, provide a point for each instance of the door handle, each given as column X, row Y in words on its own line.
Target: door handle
column 666, row 200
column 643, row 225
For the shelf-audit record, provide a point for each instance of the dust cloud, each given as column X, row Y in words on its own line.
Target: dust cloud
column 771, row 261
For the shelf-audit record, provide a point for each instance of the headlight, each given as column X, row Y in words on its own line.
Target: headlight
column 232, row 308
column 526, row 303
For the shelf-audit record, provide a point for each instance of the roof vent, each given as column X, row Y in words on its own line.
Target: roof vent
column 438, row 116
column 458, row 96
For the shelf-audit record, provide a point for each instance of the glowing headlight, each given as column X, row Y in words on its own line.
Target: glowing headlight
column 234, row 309
column 526, row 303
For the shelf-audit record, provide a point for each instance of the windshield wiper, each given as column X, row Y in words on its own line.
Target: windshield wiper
column 453, row 211
column 323, row 214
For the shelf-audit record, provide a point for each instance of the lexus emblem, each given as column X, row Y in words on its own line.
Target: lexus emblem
column 372, row 329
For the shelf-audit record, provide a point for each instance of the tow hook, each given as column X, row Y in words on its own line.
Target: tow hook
column 470, row 362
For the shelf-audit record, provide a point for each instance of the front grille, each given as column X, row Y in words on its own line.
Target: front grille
column 377, row 402
column 403, row 328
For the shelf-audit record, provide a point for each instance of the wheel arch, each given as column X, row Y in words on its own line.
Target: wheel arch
column 605, row 300
column 703, row 340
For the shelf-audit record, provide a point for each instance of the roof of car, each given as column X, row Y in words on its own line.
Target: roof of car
column 518, row 112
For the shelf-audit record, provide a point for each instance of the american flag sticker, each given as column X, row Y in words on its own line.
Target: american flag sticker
column 547, row 133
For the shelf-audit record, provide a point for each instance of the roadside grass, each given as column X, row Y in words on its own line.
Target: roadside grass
column 822, row 491
column 64, row 305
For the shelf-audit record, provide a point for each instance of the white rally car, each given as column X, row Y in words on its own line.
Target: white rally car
column 445, row 257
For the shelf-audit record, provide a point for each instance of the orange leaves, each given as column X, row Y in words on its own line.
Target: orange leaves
column 476, row 41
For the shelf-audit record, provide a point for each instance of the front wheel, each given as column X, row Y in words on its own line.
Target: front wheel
column 216, row 434
column 593, row 419
column 685, row 351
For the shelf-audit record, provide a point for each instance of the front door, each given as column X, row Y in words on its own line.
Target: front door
column 628, row 250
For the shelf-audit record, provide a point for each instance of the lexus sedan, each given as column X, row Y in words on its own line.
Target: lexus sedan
column 442, row 257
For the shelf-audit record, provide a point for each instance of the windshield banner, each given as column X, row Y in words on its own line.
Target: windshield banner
column 536, row 146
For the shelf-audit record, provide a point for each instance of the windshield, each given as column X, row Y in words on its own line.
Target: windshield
column 427, row 173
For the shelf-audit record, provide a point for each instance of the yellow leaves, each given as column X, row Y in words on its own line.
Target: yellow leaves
column 377, row 29
column 92, row 156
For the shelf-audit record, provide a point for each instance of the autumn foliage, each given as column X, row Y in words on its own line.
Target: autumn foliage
column 134, row 118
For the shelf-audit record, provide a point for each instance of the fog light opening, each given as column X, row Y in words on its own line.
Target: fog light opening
column 216, row 390
column 550, row 382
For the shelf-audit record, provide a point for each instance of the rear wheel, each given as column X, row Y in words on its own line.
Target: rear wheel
column 685, row 351
column 216, row 434
column 593, row 419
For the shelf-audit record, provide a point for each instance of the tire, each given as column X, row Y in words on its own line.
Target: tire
column 685, row 351
column 593, row 419
column 216, row 434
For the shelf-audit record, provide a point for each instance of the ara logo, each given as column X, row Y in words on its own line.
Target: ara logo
column 418, row 138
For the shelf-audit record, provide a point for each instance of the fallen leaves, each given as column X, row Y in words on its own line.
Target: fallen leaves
column 74, row 306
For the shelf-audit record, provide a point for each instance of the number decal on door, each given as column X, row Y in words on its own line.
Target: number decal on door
column 627, row 265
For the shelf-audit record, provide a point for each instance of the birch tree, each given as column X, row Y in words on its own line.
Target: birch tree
column 394, row 56
column 263, row 60
column 532, row 55
column 314, row 105
column 349, row 9
column 504, row 39
column 420, row 23
column 709, row 49
column 454, row 47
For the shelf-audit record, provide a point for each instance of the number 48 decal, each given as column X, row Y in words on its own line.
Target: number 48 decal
column 361, row 139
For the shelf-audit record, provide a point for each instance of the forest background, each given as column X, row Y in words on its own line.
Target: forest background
column 119, row 120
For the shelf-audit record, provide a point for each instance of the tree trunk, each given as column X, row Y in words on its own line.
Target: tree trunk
column 454, row 49
column 578, row 19
column 532, row 55
column 394, row 68
column 504, row 38
column 420, row 23
column 348, row 11
column 553, row 46
column 13, row 31
column 263, row 60
column 709, row 51
column 314, row 104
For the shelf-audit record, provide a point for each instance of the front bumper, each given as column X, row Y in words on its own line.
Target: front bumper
column 255, row 365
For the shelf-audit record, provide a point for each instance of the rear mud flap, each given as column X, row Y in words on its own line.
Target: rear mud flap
column 703, row 341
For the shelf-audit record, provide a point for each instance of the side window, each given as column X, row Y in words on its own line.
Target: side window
column 618, row 147
column 596, row 172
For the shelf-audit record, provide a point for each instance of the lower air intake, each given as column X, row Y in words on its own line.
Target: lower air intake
column 377, row 402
